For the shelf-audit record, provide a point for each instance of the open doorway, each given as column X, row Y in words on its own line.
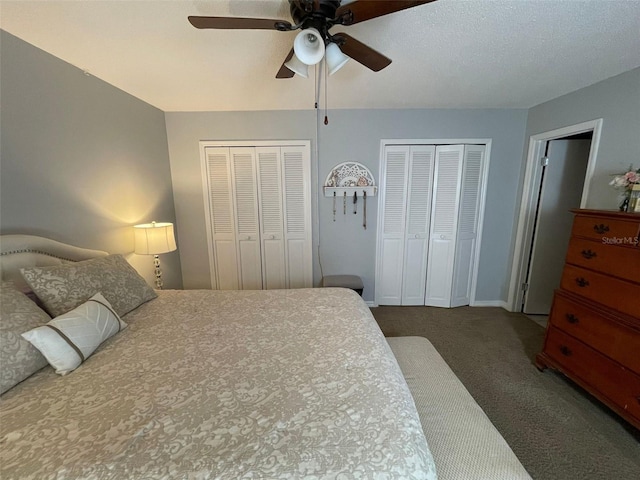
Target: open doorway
column 559, row 167
column 564, row 167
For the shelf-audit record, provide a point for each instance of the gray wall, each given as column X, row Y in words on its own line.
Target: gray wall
column 615, row 100
column 352, row 135
column 185, row 131
column 81, row 161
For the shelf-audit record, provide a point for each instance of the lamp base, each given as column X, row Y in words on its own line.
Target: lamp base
column 158, row 272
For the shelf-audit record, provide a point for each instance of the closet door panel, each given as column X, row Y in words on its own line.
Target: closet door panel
column 246, row 207
column 467, row 233
column 274, row 273
column 465, row 251
column 413, row 274
column 296, row 175
column 271, row 218
column 221, row 217
column 418, row 208
column 250, row 268
column 227, row 268
column 388, row 287
column 438, row 290
column 392, row 239
column 444, row 220
column 296, row 258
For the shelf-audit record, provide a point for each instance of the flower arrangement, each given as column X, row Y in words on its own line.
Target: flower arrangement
column 625, row 181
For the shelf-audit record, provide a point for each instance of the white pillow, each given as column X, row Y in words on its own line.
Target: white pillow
column 68, row 340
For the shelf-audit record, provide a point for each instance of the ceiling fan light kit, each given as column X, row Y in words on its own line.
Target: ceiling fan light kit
column 309, row 46
column 298, row 67
column 335, row 58
column 314, row 42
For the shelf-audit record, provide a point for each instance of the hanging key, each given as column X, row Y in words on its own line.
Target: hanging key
column 355, row 203
column 344, row 204
column 334, row 206
column 364, row 209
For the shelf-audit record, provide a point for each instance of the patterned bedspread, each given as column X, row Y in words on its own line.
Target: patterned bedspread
column 280, row 384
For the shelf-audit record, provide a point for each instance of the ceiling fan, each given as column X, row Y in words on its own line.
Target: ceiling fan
column 315, row 18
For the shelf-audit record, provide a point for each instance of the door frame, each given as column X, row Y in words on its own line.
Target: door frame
column 529, row 199
column 482, row 197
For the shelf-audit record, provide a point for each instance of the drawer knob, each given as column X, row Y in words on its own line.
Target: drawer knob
column 601, row 228
column 588, row 254
column 571, row 318
column 582, row 282
column 566, row 351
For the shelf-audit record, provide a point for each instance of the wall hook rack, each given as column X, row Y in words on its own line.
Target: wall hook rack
column 349, row 178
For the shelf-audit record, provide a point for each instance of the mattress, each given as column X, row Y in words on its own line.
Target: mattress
column 280, row 384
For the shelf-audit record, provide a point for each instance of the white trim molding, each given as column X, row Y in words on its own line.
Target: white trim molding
column 526, row 217
column 490, row 303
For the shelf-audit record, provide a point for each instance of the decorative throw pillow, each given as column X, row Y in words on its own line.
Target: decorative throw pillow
column 68, row 340
column 63, row 287
column 18, row 358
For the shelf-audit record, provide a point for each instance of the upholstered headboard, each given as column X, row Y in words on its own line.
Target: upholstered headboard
column 20, row 251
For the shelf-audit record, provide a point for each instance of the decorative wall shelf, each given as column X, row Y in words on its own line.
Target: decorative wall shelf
column 349, row 178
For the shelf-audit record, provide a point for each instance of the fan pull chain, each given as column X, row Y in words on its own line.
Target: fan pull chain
column 316, row 86
column 326, row 96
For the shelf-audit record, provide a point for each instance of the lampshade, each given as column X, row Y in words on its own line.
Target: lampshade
column 296, row 66
column 154, row 238
column 335, row 58
column 309, row 46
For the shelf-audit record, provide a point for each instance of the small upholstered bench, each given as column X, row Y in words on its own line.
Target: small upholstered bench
column 353, row 282
column 464, row 443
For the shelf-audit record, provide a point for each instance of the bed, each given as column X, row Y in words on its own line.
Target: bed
column 209, row 384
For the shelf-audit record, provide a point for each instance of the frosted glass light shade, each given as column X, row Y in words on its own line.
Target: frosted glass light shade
column 309, row 46
column 297, row 67
column 154, row 238
column 335, row 58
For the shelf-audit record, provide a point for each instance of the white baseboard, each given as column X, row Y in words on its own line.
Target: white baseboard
column 478, row 303
column 490, row 303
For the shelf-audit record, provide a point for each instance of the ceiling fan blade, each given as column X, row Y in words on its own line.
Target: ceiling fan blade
column 234, row 23
column 284, row 72
column 362, row 53
column 361, row 10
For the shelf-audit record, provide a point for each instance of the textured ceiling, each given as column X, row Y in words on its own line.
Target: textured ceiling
column 447, row 54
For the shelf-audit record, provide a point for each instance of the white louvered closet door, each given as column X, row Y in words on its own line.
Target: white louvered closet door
column 271, row 217
column 221, row 218
column 391, row 239
column 258, row 206
column 296, row 182
column 467, row 234
column 444, row 220
column 243, row 166
column 418, row 211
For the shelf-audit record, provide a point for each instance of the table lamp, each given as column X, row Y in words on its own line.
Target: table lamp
column 153, row 239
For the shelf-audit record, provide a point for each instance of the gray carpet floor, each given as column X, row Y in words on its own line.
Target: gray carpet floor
column 557, row 430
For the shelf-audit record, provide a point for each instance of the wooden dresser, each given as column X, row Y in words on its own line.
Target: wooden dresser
column 593, row 334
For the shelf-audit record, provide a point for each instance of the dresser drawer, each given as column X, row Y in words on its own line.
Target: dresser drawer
column 617, row 384
column 614, row 340
column 620, row 261
column 604, row 229
column 620, row 295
